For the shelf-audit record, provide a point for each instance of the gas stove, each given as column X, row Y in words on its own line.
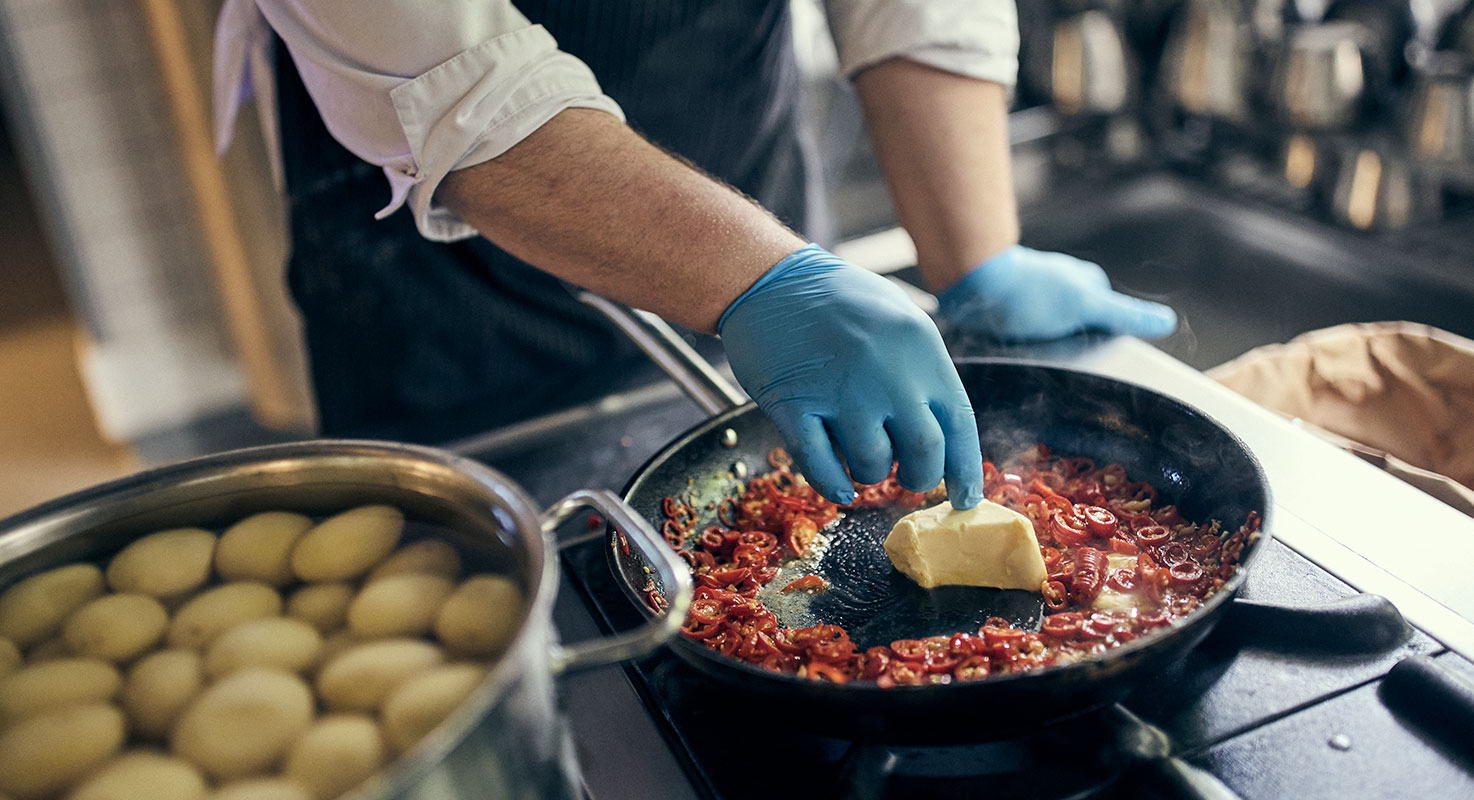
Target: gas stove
column 1308, row 689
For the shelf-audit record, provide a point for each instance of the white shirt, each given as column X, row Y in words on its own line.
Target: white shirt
column 423, row 89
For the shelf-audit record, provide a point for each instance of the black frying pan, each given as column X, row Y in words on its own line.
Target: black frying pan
column 1192, row 461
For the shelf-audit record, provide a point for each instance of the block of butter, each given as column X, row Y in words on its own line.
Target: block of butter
column 986, row 545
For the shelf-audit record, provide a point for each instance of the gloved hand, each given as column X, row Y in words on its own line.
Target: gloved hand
column 826, row 347
column 1027, row 295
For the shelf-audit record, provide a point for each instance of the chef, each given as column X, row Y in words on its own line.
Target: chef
column 650, row 151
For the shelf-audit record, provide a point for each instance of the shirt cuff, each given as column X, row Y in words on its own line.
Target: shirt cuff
column 976, row 38
column 475, row 107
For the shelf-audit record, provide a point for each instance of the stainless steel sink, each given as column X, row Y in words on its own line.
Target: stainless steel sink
column 1242, row 274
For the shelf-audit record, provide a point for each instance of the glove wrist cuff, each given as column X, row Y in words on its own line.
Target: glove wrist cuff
column 797, row 258
column 979, row 285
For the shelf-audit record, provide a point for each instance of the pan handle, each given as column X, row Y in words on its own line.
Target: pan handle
column 1147, row 744
column 695, row 375
column 673, row 572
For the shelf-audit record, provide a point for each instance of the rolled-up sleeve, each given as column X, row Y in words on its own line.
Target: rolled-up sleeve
column 422, row 90
column 977, row 38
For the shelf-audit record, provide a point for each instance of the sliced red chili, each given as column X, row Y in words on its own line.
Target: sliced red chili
column 1123, row 547
column 972, row 668
column 1092, row 495
column 820, row 671
column 707, row 609
column 874, row 662
column 1055, row 596
column 728, row 577
column 1100, row 521
column 905, row 673
column 1152, row 535
column 806, row 582
column 799, row 534
column 997, row 635
column 673, row 534
column 701, row 630
column 913, row 650
column 1069, row 528
column 748, row 556
column 1090, row 565
column 1204, row 546
column 1174, row 554
column 1185, row 573
column 940, row 655
column 1064, row 625
column 1103, row 622
column 760, row 540
column 1122, row 580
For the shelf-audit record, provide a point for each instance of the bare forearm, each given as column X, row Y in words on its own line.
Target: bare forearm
column 942, row 141
column 588, row 200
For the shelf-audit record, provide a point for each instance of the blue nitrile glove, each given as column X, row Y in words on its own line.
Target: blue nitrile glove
column 826, row 347
column 1027, row 295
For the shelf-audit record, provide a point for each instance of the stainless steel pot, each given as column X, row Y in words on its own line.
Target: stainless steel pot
column 507, row 739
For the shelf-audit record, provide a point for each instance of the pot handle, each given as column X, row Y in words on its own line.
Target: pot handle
column 694, row 374
column 673, row 572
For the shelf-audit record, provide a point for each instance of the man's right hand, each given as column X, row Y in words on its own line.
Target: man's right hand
column 827, row 348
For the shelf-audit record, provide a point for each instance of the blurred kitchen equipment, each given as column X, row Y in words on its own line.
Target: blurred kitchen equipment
column 1208, row 59
column 1458, row 32
column 1375, row 187
column 506, row 739
column 1090, row 66
column 1321, row 83
column 1390, row 25
column 1439, row 126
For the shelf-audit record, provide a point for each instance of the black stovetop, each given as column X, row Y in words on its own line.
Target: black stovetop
column 1268, row 704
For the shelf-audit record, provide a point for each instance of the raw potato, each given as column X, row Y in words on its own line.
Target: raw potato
column 10, row 657
column 33, row 609
column 481, row 616
column 164, row 564
column 334, row 645
column 52, row 685
column 427, row 556
column 213, row 611
column 336, row 754
column 360, row 677
column 244, row 723
column 49, row 650
column 259, row 547
column 281, row 642
column 159, row 687
column 346, row 545
column 261, row 789
column 398, row 605
column 322, row 605
column 142, row 774
column 424, row 700
column 50, row 752
column 115, row 627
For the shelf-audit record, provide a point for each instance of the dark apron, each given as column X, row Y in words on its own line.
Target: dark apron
column 425, row 341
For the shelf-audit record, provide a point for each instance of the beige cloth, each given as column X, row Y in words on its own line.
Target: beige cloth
column 1401, row 393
